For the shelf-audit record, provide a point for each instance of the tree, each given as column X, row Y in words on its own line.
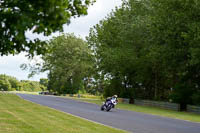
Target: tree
column 117, row 42
column 175, row 28
column 151, row 48
column 27, row 85
column 68, row 63
column 44, row 16
column 44, row 81
column 15, row 84
column 4, row 83
column 10, row 83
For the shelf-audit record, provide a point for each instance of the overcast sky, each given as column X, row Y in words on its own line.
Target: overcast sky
column 10, row 65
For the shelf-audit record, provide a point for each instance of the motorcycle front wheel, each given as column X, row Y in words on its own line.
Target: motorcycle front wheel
column 102, row 107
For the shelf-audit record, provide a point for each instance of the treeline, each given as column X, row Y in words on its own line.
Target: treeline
column 9, row 83
column 146, row 49
column 150, row 49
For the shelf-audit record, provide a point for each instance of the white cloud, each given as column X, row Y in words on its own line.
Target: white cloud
column 80, row 26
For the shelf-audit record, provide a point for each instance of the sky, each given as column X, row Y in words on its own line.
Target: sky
column 10, row 65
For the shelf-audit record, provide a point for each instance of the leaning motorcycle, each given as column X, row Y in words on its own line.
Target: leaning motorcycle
column 108, row 105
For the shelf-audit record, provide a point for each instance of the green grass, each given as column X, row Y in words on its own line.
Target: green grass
column 20, row 116
column 151, row 110
column 24, row 92
column 84, row 96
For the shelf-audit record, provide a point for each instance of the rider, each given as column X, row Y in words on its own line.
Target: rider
column 114, row 97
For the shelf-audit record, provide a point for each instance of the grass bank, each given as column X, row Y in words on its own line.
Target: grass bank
column 20, row 116
column 24, row 92
column 149, row 110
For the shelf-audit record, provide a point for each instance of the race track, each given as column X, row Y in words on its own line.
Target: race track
column 127, row 120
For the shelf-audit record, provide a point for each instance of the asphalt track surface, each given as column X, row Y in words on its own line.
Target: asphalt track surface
column 127, row 120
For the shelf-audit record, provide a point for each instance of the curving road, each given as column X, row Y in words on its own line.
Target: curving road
column 130, row 121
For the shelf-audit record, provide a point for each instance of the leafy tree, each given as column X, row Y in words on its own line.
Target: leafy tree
column 15, row 84
column 10, row 83
column 175, row 28
column 27, row 85
column 44, row 81
column 182, row 94
column 44, row 16
column 196, row 98
column 117, row 43
column 4, row 83
column 68, row 63
column 151, row 48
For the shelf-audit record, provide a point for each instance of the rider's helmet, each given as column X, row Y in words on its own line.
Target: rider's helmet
column 115, row 96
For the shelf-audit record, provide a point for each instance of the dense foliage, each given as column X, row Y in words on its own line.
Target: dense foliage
column 68, row 62
column 38, row 16
column 9, row 83
column 149, row 49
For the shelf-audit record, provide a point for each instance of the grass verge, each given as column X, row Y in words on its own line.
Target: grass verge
column 24, row 92
column 20, row 116
column 150, row 110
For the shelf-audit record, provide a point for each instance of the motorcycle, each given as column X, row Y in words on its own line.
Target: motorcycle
column 108, row 105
